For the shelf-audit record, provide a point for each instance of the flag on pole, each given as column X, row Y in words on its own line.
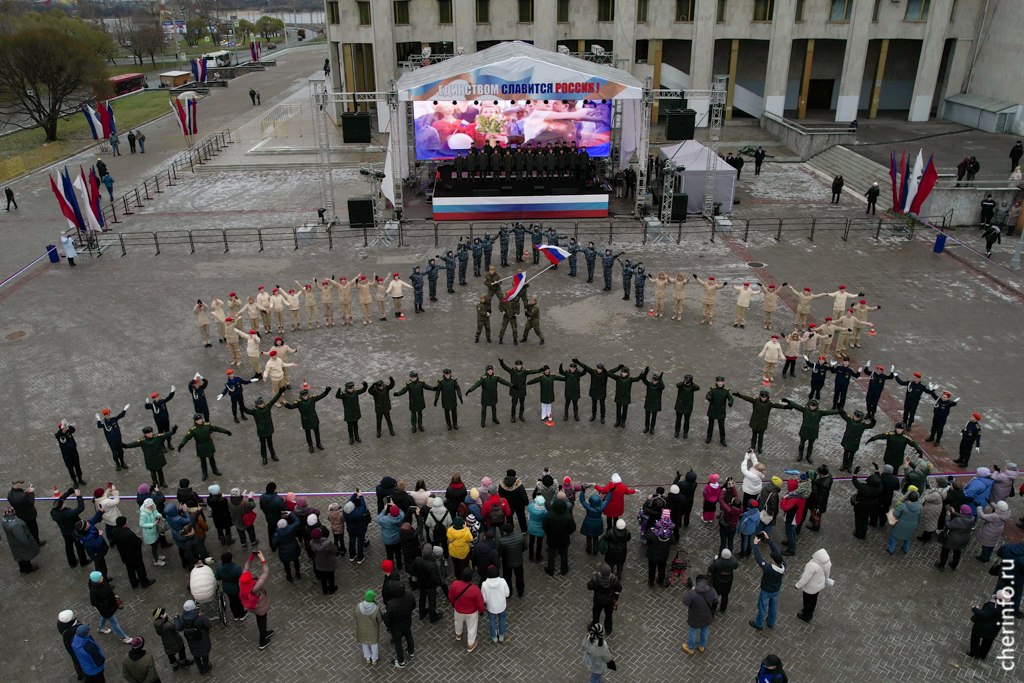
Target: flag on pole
column 928, row 180
column 904, row 181
column 96, row 125
column 69, row 193
column 256, row 50
column 553, row 253
column 62, row 201
column 198, row 69
column 518, row 282
column 91, row 222
column 184, row 108
column 94, row 196
column 912, row 183
column 892, row 174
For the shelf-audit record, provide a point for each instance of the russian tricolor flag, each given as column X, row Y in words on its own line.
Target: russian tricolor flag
column 198, row 69
column 256, row 50
column 552, row 253
column 100, row 120
column 66, row 199
column 185, row 112
column 518, row 282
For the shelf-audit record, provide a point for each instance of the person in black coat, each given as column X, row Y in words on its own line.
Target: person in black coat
column 23, row 500
column 69, row 452
column 196, row 628
column 67, row 624
column 687, row 489
column 676, row 501
column 890, row 485
column 720, row 575
column 272, row 506
column 66, row 518
column 866, row 503
column 659, row 543
column 411, row 550
column 485, row 555
column 385, row 490
column 428, row 578
column 606, row 587
column 821, row 488
column 558, row 527
column 510, row 553
column 511, row 489
column 221, row 514
column 987, row 621
column 398, row 613
column 130, row 547
column 837, row 189
column 174, row 648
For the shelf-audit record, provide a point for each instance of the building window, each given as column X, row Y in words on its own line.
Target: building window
column 720, row 17
column 406, row 50
column 874, row 12
column 606, row 10
column 525, row 11
column 483, row 11
column 684, row 10
column 799, row 10
column 641, row 12
column 444, row 11
column 841, row 10
column 401, row 12
column 642, row 47
column 917, row 10
column 442, row 48
column 763, row 10
column 563, row 11
column 333, row 14
column 364, row 13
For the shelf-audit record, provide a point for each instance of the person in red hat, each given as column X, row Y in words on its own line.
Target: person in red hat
column 710, row 296
column 277, row 304
column 284, row 353
column 252, row 313
column 771, row 353
column 363, row 286
column 203, row 321
column 876, row 385
column 233, row 388
column 327, row 299
column 292, row 299
column 826, row 333
column 771, row 302
column 112, row 432
column 819, row 372
column 263, row 304
column 860, row 311
column 847, row 325
column 803, row 304
column 309, row 299
column 234, row 308
column 743, row 296
column 940, row 413
column 161, row 416
column 344, row 298
column 840, row 297
column 844, row 373
column 274, row 369
column 380, row 292
column 970, row 439
column 915, row 389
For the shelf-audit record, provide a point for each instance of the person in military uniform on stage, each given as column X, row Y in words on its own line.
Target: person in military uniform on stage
column 939, row 415
column 416, row 280
column 624, row 393
column 474, row 163
column 262, row 415
column 381, row 394
column 449, row 269
column 307, row 412
column 652, row 401
column 462, row 251
column 598, row 386
column 431, row 274
column 503, row 239
column 448, row 392
column 415, row 388
column 509, row 314
column 520, row 234
column 112, row 432
column 202, row 432
column 532, row 313
column 488, row 384
column 583, row 165
column 607, row 264
column 896, row 443
column 460, row 166
column 684, row 403
column 717, row 397
column 152, row 445
column 572, row 389
column 517, row 387
column 483, row 318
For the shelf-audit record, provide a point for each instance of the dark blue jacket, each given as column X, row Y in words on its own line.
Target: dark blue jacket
column 771, row 579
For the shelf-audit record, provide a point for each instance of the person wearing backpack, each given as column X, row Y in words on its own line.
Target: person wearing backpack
column 606, row 587
column 195, row 626
column 355, row 522
column 228, row 573
column 495, row 511
column 437, row 522
column 428, row 579
column 254, row 596
column 468, row 603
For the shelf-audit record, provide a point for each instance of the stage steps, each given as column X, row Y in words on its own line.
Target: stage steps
column 858, row 172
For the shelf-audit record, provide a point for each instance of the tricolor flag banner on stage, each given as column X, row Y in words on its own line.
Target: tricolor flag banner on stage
column 518, row 282
column 913, row 181
column 96, row 125
column 928, row 179
column 256, row 50
column 198, row 69
column 66, row 199
column 552, row 253
column 892, row 174
column 106, row 113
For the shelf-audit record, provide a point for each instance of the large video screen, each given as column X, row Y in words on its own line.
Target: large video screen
column 445, row 128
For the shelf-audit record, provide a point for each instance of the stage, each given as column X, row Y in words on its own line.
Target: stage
column 516, row 199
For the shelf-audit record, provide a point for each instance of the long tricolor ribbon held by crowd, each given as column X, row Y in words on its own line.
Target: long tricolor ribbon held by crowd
column 256, row 50
column 518, row 282
column 198, row 69
column 66, row 200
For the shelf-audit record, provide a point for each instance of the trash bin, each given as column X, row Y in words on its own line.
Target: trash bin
column 51, row 251
column 940, row 243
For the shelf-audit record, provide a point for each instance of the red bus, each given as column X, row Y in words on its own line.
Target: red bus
column 126, row 83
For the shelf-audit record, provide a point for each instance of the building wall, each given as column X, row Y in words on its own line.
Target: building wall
column 1001, row 52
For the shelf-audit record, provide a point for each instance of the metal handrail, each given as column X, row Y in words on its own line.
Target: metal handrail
column 804, row 130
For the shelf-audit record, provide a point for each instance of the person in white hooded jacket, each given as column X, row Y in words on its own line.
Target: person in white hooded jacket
column 495, row 591
column 753, row 476
column 816, row 576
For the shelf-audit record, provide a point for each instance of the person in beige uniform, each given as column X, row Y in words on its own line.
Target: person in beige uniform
column 275, row 370
column 710, row 296
column 231, row 340
column 277, row 304
column 860, row 311
column 309, row 298
column 803, row 304
column 252, row 313
column 217, row 309
column 252, row 350
column 660, row 290
column 327, row 299
column 771, row 302
column 847, row 326
column 365, row 297
column 679, row 295
column 808, row 342
column 344, row 299
column 826, row 333
column 203, row 320
column 235, row 309
column 772, row 354
column 841, row 297
column 743, row 296
column 380, row 294
column 394, row 290
column 284, row 352
column 293, row 309
column 263, row 304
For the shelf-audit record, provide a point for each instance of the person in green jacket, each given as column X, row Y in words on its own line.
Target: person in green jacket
column 717, row 397
column 624, row 392
column 517, row 386
column 264, row 419
column 415, row 388
column 896, row 443
column 916, row 474
column 572, row 389
column 509, row 316
column 684, row 403
column 598, row 385
column 652, row 401
column 810, row 425
column 202, row 432
column 350, row 401
column 152, row 446
column 381, row 394
column 483, row 318
column 532, row 313
column 547, row 392
column 856, row 425
column 449, row 391
column 307, row 412
column 762, row 409
column 488, row 384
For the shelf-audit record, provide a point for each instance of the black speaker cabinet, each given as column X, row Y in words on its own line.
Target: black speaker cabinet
column 360, row 212
column 355, row 126
column 679, row 202
column 680, row 125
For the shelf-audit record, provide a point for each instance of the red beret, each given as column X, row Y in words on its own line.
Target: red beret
column 106, row 411
column 976, row 416
column 827, row 319
column 917, row 374
column 711, row 278
column 259, row 288
column 811, row 325
column 396, row 274
column 880, row 367
column 232, row 294
column 324, row 283
column 227, row 320
column 946, row 393
column 771, row 286
column 154, row 394
column 229, row 371
column 362, row 277
column 822, row 357
column 863, row 301
column 775, row 336
column 807, row 289
column 273, row 353
column 842, row 286
column 343, row 279
column 277, row 339
column 746, row 284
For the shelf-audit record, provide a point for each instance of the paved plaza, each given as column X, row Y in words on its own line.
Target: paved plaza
column 113, row 329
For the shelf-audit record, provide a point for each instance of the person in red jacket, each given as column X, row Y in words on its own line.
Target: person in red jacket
column 489, row 510
column 617, row 503
column 468, row 602
column 794, row 509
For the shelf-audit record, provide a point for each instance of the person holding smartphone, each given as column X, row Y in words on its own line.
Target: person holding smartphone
column 254, row 597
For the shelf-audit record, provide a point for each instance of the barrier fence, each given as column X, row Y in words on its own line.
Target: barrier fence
column 39, row 157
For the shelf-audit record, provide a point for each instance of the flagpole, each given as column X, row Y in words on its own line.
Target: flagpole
column 529, row 280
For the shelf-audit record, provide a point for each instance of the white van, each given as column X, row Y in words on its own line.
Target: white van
column 214, row 59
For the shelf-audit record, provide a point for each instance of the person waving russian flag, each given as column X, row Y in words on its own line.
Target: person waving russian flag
column 518, row 282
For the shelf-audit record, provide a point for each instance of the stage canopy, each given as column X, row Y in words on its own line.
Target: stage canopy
column 518, row 71
column 693, row 156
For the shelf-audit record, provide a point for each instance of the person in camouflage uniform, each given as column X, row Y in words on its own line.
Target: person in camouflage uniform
column 590, row 254
column 520, row 234
column 483, row 318
column 493, row 283
column 627, row 276
column 488, row 247
column 509, row 315
column 532, row 313
column 463, row 254
column 503, row 238
column 431, row 273
column 607, row 264
column 536, row 239
column 573, row 248
column 478, row 254
column 640, row 284
column 416, row 280
column 449, row 269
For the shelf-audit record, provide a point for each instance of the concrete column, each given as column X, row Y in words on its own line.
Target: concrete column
column 777, row 76
column 702, row 47
column 805, row 80
column 733, row 58
column 654, row 59
column 350, row 76
column 876, row 86
column 929, row 62
column 624, row 41
column 545, row 23
column 464, row 16
column 853, row 62
column 956, row 69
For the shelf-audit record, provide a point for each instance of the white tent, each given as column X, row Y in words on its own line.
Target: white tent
column 693, row 157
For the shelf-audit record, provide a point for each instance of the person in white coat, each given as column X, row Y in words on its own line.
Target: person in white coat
column 69, row 247
column 753, row 477
column 816, row 577
column 771, row 353
column 495, row 591
column 743, row 296
column 394, row 290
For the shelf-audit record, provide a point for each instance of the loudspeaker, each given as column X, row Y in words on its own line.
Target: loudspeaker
column 360, row 212
column 680, row 125
column 355, row 126
column 679, row 203
column 486, row 193
column 564, row 190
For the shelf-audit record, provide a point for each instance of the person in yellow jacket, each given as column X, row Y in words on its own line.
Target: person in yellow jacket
column 275, row 371
column 710, row 296
column 678, row 295
column 344, row 298
column 263, row 303
column 277, row 304
column 803, row 304
column 841, row 297
column 235, row 309
column 365, row 297
column 380, row 291
column 660, row 291
column 252, row 350
column 771, row 302
column 203, row 321
column 772, row 354
column 284, row 352
column 293, row 309
column 309, row 299
column 327, row 299
column 860, row 311
column 217, row 309
column 394, row 290
column 252, row 313
column 743, row 296
column 459, row 540
column 232, row 341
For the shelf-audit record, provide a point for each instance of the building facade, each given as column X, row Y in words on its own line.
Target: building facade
column 849, row 58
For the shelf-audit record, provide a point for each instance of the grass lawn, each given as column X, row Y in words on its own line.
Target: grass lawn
column 129, row 113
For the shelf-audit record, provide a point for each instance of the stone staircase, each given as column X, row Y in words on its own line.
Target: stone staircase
column 858, row 172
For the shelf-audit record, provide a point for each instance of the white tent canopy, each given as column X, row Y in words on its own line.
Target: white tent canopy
column 693, row 157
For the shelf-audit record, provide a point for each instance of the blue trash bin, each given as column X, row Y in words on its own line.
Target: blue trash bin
column 52, row 253
column 940, row 243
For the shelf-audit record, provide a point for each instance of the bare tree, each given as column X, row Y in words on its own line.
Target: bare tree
column 147, row 36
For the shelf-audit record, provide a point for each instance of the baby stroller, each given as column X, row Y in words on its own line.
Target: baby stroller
column 679, row 568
